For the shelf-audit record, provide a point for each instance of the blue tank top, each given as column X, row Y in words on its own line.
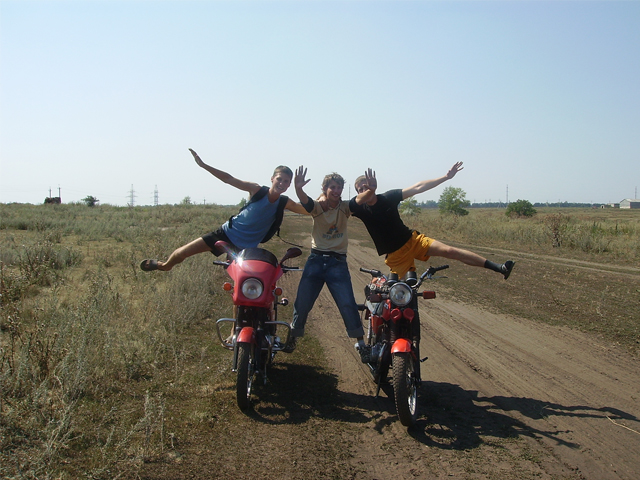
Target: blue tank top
column 251, row 225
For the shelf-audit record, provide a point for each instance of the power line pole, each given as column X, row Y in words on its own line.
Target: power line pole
column 155, row 197
column 132, row 196
column 507, row 194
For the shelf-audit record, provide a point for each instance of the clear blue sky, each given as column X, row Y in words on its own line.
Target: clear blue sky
column 97, row 96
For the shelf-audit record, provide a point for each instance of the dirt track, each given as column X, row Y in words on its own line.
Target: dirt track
column 500, row 395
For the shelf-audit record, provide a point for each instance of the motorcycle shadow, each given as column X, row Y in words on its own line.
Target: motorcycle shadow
column 453, row 418
column 296, row 393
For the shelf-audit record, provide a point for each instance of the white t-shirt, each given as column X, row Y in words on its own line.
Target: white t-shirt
column 329, row 232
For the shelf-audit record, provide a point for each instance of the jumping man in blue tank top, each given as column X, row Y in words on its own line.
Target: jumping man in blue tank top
column 254, row 224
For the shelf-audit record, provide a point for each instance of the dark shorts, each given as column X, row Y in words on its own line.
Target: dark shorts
column 211, row 238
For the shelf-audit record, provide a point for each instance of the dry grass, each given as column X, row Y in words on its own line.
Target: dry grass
column 99, row 359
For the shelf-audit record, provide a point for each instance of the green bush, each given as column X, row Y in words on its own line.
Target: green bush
column 453, row 201
column 520, row 208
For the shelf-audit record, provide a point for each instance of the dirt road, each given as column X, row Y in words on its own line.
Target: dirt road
column 503, row 397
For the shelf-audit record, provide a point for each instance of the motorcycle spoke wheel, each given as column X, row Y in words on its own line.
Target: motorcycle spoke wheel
column 246, row 372
column 405, row 390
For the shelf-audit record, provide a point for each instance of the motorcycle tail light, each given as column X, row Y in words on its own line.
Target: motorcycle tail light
column 428, row 294
column 396, row 314
column 278, row 291
column 227, row 287
column 409, row 314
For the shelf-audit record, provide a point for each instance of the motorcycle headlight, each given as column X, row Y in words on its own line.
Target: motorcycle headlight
column 252, row 288
column 400, row 294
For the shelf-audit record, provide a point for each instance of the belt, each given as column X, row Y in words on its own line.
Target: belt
column 328, row 254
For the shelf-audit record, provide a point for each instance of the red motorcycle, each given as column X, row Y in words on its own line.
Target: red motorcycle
column 391, row 313
column 254, row 339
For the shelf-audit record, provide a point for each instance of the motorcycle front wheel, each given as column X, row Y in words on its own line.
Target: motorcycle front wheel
column 405, row 389
column 244, row 380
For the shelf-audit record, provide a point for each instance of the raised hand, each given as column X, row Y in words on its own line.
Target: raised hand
column 370, row 177
column 455, row 169
column 299, row 179
column 197, row 158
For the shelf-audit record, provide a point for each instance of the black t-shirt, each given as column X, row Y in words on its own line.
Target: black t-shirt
column 383, row 221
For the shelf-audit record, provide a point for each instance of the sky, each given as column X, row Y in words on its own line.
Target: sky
column 539, row 99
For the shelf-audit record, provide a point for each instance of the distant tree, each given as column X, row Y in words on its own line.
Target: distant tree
column 453, row 201
column 520, row 208
column 242, row 203
column 186, row 201
column 90, row 201
column 409, row 206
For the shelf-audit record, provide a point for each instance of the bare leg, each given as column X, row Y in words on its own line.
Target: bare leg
column 439, row 249
column 180, row 254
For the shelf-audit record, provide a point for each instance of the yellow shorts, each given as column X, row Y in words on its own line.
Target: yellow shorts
column 402, row 260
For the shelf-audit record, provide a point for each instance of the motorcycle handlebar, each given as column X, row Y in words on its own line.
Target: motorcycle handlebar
column 437, row 269
column 291, row 269
column 373, row 273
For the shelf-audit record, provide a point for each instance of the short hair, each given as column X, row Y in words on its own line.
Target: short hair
column 282, row 169
column 332, row 177
column 360, row 179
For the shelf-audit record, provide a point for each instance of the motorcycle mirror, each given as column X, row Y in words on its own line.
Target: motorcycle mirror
column 290, row 253
column 224, row 246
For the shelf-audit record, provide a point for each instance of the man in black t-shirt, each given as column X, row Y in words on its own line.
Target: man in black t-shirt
column 402, row 245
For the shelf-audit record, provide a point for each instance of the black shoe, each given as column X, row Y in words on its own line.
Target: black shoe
column 507, row 267
column 291, row 345
column 365, row 353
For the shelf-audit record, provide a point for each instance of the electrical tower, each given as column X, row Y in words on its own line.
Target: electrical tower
column 132, row 197
column 155, row 197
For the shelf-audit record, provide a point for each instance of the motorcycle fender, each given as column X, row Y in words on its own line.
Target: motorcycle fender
column 246, row 335
column 401, row 345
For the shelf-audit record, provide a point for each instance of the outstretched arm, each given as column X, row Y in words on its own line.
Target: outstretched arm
column 295, row 207
column 250, row 187
column 425, row 185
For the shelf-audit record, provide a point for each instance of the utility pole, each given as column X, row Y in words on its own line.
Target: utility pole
column 132, row 196
column 507, row 194
column 155, row 197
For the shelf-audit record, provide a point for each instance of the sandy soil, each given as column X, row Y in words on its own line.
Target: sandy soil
column 500, row 394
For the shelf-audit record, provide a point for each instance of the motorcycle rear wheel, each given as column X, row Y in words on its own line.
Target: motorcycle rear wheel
column 246, row 370
column 405, row 390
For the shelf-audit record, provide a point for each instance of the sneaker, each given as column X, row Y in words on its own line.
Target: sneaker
column 291, row 345
column 365, row 353
column 507, row 267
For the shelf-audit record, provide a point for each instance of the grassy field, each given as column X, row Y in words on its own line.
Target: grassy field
column 95, row 354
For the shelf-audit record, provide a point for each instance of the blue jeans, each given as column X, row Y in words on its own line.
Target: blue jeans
column 333, row 271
